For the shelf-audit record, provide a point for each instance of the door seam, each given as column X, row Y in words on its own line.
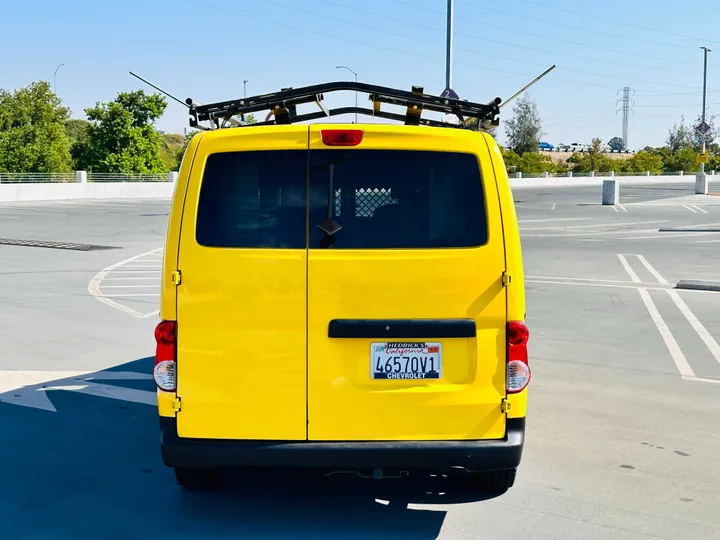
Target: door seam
column 307, row 289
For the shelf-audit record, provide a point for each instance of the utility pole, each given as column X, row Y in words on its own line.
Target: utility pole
column 449, row 44
column 627, row 102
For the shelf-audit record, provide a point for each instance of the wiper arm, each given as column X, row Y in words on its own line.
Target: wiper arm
column 329, row 226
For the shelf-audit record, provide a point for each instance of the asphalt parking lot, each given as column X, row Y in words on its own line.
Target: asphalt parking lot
column 623, row 422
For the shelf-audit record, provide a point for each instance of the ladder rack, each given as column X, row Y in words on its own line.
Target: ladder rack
column 282, row 107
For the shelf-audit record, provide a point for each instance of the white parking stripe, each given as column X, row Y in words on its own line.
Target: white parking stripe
column 629, row 269
column 699, row 209
column 701, row 331
column 654, row 272
column 690, row 208
column 677, row 355
column 94, row 286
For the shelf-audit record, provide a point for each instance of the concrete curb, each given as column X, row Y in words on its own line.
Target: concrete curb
column 698, row 285
column 689, row 229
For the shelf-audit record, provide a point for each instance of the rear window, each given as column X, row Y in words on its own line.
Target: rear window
column 254, row 199
column 396, row 199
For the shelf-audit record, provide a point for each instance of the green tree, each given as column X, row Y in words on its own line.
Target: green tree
column 641, row 162
column 535, row 163
column 524, row 129
column 679, row 137
column 511, row 159
column 172, row 150
column 594, row 160
column 682, row 160
column 122, row 137
column 616, row 144
column 78, row 133
column 32, row 134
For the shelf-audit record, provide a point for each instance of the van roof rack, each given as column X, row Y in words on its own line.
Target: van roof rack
column 282, row 107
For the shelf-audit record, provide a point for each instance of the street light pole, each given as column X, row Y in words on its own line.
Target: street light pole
column 54, row 77
column 245, row 88
column 706, row 50
column 449, row 44
column 356, row 78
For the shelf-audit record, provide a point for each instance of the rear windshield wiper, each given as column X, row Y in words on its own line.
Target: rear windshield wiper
column 329, row 226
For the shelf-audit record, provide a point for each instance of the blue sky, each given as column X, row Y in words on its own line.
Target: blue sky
column 204, row 49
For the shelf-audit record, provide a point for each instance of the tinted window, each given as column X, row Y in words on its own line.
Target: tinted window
column 396, row 199
column 254, row 200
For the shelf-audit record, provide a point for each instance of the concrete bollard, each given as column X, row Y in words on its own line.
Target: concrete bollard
column 545, row 175
column 518, row 175
column 701, row 184
column 592, row 174
column 611, row 192
column 612, row 174
column 81, row 177
column 682, row 173
column 173, row 176
column 647, row 173
column 569, row 174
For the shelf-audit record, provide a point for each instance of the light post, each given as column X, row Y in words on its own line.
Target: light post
column 54, row 77
column 702, row 187
column 245, row 88
column 356, row 78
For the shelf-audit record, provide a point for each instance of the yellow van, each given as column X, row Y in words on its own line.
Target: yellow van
column 348, row 297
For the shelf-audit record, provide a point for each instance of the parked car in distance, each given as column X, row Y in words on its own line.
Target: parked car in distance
column 545, row 146
column 572, row 147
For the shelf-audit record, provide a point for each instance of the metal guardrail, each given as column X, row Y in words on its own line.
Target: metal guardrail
column 36, row 178
column 690, row 175
column 112, row 177
column 73, row 177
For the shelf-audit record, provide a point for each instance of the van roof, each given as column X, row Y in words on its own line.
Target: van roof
column 282, row 106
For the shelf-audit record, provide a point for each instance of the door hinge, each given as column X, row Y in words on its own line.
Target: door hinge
column 505, row 406
column 506, row 279
column 176, row 277
column 176, row 405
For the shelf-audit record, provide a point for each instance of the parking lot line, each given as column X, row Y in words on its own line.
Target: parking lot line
column 629, row 269
column 677, row 355
column 94, row 285
column 654, row 272
column 680, row 360
column 701, row 331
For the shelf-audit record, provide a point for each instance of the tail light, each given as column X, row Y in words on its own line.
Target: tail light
column 518, row 370
column 342, row 137
column 164, row 372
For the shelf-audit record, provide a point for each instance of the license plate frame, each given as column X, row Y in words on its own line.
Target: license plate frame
column 386, row 356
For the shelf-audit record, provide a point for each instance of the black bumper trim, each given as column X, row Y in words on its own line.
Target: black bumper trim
column 475, row 455
column 402, row 328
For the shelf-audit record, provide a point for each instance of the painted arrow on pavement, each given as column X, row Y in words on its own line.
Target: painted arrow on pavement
column 30, row 388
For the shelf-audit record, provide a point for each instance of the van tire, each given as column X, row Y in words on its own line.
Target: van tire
column 497, row 481
column 486, row 481
column 193, row 479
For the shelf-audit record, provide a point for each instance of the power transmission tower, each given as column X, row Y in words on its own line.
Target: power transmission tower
column 627, row 103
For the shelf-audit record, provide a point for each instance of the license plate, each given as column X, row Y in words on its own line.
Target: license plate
column 415, row 360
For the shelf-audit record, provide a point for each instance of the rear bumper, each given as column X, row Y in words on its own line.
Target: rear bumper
column 482, row 455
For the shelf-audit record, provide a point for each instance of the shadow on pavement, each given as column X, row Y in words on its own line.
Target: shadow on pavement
column 93, row 469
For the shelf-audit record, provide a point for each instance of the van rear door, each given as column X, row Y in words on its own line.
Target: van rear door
column 241, row 304
column 406, row 303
